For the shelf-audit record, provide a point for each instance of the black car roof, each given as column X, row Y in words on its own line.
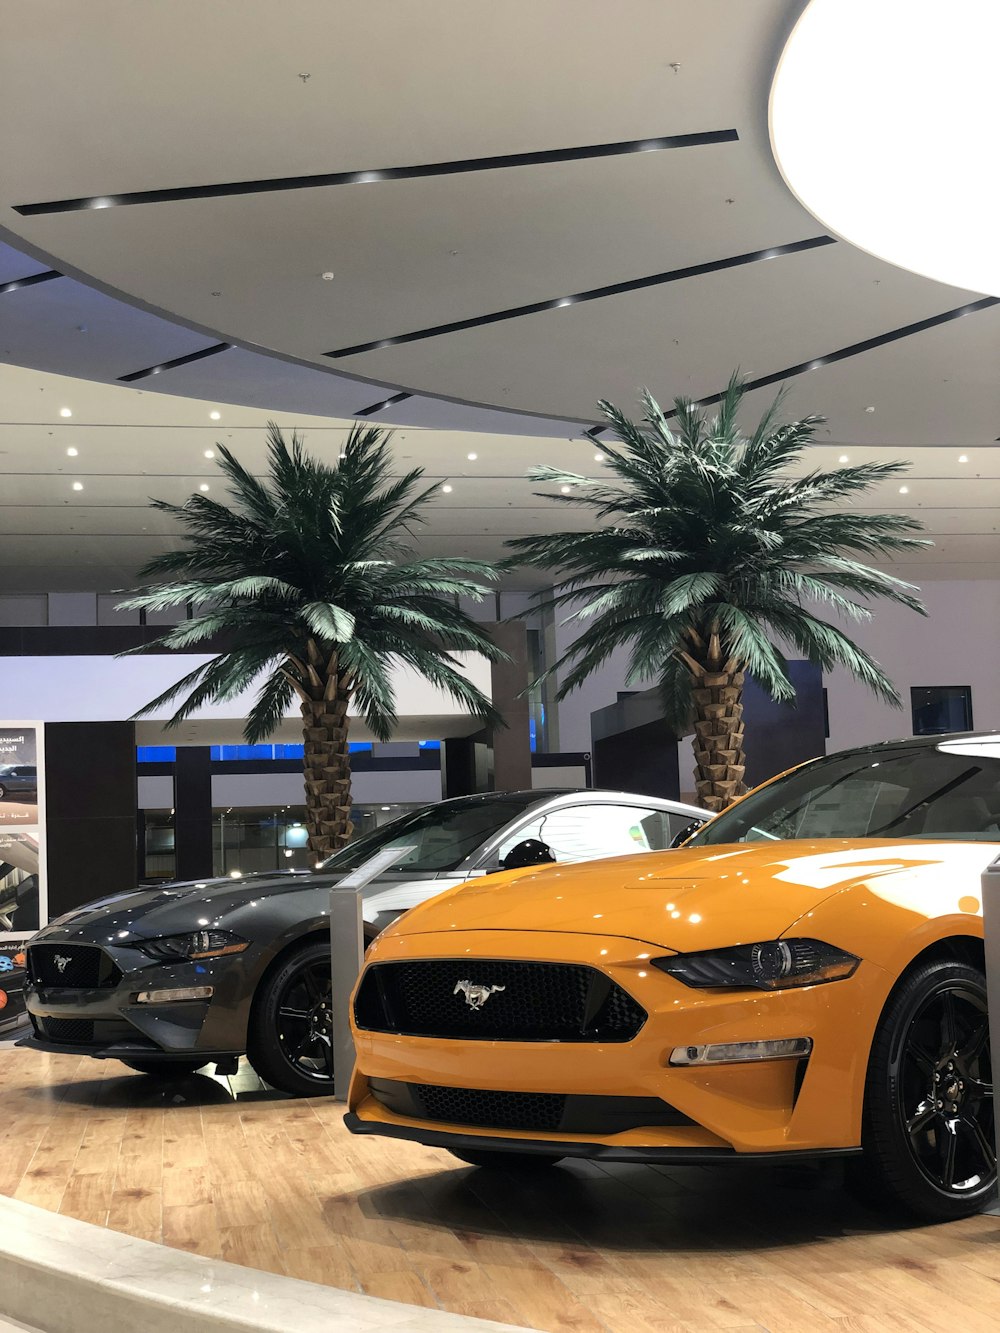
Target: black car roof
column 908, row 742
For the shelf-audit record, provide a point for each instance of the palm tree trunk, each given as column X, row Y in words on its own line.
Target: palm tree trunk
column 327, row 770
column 717, row 706
column 720, row 762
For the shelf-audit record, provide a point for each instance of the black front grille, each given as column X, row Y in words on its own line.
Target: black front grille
column 541, row 1112
column 72, row 1031
column 71, row 967
column 496, row 1000
column 492, row 1110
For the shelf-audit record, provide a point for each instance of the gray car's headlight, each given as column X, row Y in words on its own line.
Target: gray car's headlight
column 771, row 965
column 198, row 944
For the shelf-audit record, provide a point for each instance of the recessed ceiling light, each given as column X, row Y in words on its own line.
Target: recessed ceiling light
column 203, row 486
column 209, row 453
column 72, row 451
column 963, row 458
column 327, row 276
column 447, row 490
column 598, row 458
column 78, row 485
column 843, row 459
column 564, row 489
column 869, row 409
column 65, row 411
column 215, row 416
column 472, row 457
column 904, row 490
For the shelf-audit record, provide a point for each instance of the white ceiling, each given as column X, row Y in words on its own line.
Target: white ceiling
column 113, row 97
column 133, row 445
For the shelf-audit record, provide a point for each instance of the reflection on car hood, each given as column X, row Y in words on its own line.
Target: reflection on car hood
column 688, row 899
column 177, row 908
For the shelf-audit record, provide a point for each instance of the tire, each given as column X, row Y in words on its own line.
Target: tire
column 927, row 1130
column 290, row 1042
column 3, row 791
column 165, row 1069
column 498, row 1160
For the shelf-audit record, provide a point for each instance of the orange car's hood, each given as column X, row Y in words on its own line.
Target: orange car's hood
column 702, row 898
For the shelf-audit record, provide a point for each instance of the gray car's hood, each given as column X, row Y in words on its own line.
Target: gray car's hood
column 174, row 909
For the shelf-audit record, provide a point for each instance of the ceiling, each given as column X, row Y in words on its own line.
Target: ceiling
column 467, row 165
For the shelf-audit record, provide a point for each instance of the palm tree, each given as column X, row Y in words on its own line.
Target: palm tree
column 707, row 558
column 309, row 577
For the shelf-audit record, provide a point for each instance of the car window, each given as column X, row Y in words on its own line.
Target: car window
column 586, row 831
column 918, row 793
column 441, row 836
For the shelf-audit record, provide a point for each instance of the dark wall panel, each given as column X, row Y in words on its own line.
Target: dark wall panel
column 193, row 812
column 641, row 759
column 779, row 736
column 90, row 791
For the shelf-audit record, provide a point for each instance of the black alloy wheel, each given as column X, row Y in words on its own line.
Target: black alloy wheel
column 501, row 1160
column 929, row 1135
column 290, row 1043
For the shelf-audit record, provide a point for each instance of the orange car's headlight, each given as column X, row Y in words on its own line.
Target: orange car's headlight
column 771, row 965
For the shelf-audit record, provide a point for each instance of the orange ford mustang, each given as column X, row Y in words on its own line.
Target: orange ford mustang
column 804, row 977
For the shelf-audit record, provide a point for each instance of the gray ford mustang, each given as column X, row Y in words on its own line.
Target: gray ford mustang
column 170, row 979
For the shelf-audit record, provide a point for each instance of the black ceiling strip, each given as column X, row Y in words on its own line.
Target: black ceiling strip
column 31, row 281
column 594, row 294
column 594, row 431
column 457, row 168
column 214, row 350
column 386, row 402
column 855, row 349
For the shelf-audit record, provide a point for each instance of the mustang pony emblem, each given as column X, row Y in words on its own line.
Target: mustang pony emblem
column 475, row 994
column 62, row 963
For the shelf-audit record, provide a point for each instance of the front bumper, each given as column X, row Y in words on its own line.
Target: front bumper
column 107, row 1022
column 770, row 1106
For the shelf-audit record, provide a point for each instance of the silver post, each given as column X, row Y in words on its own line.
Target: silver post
column 991, row 931
column 347, row 951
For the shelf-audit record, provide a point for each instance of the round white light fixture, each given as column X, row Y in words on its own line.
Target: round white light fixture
column 72, row 451
column 963, row 458
column 65, row 411
column 215, row 416
column 904, row 490
column 447, row 490
column 472, row 457
column 203, row 486
column 598, row 458
column 78, row 485
column 236, row 874
column 209, row 453
column 327, row 276
column 565, row 490
column 843, row 459
column 882, row 122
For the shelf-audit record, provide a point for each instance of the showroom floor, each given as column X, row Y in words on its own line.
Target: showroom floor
column 229, row 1169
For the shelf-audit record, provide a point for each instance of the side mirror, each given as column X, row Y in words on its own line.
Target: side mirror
column 530, row 852
column 688, row 831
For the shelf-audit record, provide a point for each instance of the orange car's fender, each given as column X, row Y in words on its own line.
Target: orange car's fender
column 890, row 925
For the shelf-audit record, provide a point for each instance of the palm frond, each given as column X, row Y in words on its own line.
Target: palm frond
column 701, row 532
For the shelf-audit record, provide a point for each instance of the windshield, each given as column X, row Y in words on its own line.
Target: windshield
column 442, row 836
column 916, row 793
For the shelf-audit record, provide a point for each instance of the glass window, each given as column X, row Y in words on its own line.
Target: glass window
column 443, row 836
column 940, row 708
column 923, row 792
column 583, row 832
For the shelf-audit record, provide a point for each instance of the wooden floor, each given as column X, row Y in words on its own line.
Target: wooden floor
column 229, row 1169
